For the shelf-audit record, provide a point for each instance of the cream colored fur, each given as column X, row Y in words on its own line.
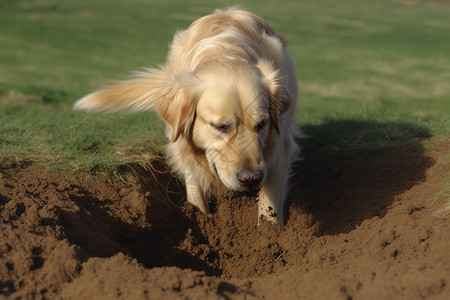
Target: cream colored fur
column 228, row 94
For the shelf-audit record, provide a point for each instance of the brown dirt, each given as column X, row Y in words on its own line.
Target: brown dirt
column 360, row 227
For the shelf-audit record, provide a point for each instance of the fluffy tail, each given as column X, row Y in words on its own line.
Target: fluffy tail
column 135, row 95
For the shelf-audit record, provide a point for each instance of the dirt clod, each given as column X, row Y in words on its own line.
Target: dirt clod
column 358, row 227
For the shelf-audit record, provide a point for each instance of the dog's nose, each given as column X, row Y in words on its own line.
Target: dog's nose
column 249, row 178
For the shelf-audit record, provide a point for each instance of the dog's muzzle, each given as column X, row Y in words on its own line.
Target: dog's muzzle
column 249, row 178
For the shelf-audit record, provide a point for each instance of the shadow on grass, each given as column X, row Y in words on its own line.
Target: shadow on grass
column 352, row 171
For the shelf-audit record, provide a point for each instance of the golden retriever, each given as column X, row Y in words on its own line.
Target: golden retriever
column 228, row 94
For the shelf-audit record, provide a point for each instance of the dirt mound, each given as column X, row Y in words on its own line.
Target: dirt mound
column 366, row 226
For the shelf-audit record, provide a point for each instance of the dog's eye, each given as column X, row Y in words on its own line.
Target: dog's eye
column 224, row 128
column 260, row 126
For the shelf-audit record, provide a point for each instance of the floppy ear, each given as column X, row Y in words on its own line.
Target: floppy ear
column 136, row 94
column 279, row 97
column 178, row 103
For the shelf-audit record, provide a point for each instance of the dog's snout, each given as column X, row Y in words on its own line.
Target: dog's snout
column 249, row 178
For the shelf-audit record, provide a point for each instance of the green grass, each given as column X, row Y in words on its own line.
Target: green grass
column 374, row 75
column 41, row 126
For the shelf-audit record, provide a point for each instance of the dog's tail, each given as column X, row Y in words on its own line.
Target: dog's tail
column 137, row 94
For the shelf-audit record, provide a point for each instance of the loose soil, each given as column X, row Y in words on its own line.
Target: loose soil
column 371, row 226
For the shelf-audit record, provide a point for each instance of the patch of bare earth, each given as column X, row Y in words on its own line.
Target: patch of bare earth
column 359, row 227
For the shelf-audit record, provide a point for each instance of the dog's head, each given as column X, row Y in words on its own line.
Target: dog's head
column 228, row 113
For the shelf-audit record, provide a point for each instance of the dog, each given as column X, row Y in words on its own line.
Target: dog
column 228, row 95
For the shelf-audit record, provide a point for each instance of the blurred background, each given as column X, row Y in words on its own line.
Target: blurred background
column 360, row 62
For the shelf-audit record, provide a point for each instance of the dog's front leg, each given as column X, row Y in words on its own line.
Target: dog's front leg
column 272, row 195
column 196, row 196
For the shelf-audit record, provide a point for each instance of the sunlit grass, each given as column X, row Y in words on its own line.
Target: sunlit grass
column 376, row 74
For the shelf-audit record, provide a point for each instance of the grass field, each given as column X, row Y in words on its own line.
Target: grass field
column 373, row 74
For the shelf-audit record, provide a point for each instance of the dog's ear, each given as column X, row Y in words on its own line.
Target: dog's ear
column 137, row 94
column 279, row 97
column 178, row 103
